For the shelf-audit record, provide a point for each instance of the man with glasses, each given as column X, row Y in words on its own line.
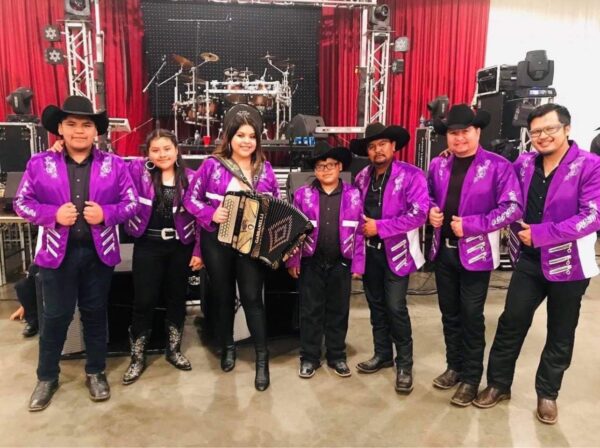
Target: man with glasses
column 553, row 248
column 474, row 193
column 395, row 207
column 331, row 254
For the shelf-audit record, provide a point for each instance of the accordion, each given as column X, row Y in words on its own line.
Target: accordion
column 263, row 227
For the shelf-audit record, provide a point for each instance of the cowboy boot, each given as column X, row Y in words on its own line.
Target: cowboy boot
column 262, row 378
column 138, row 356
column 228, row 358
column 173, row 350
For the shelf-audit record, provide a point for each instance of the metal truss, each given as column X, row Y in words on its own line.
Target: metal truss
column 377, row 76
column 80, row 59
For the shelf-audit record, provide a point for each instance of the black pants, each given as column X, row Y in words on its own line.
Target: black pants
column 159, row 267
column 462, row 295
column 527, row 289
column 25, row 289
column 386, row 295
column 324, row 308
column 83, row 280
column 226, row 267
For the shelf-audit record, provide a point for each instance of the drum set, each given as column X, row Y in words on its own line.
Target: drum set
column 202, row 103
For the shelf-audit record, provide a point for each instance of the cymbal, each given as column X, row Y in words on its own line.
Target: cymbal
column 209, row 57
column 245, row 73
column 184, row 62
column 267, row 56
column 231, row 72
column 188, row 78
column 284, row 65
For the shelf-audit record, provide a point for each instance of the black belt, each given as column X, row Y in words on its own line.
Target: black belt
column 161, row 234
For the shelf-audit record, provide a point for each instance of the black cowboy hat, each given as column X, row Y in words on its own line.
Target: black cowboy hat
column 461, row 116
column 242, row 110
column 74, row 105
column 376, row 131
column 324, row 151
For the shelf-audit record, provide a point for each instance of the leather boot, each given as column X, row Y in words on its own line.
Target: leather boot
column 547, row 411
column 173, row 350
column 42, row 395
column 228, row 358
column 137, row 365
column 490, row 397
column 404, row 381
column 262, row 378
column 447, row 380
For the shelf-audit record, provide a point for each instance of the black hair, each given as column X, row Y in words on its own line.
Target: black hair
column 563, row 114
column 181, row 181
column 239, row 120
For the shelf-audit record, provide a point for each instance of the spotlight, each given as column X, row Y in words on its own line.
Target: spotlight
column 438, row 107
column 380, row 17
column 20, row 102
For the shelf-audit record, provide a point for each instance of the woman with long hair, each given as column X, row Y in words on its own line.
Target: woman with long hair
column 166, row 246
column 237, row 164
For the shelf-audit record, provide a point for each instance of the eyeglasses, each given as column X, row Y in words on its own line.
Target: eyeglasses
column 548, row 130
column 326, row 166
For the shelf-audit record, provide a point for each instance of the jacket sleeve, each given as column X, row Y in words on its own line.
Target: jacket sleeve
column 586, row 221
column 294, row 260
column 417, row 198
column 195, row 198
column 128, row 199
column 28, row 207
column 509, row 205
column 358, row 257
column 197, row 252
column 273, row 185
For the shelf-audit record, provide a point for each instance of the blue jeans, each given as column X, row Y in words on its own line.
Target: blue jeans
column 83, row 280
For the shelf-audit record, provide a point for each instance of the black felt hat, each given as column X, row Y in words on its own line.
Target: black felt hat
column 376, row 131
column 74, row 105
column 461, row 116
column 323, row 151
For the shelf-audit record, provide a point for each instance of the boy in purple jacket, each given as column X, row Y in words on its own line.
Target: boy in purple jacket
column 77, row 197
column 331, row 254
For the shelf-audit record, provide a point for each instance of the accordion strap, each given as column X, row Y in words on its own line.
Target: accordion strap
column 231, row 166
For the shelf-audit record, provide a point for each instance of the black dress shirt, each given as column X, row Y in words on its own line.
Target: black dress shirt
column 536, row 200
column 79, row 183
column 374, row 199
column 328, row 241
column 460, row 166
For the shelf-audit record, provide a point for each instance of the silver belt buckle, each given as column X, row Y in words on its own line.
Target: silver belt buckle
column 164, row 236
column 374, row 246
column 448, row 245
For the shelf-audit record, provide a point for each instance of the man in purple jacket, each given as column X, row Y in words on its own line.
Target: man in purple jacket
column 553, row 248
column 474, row 193
column 395, row 207
column 77, row 197
column 330, row 255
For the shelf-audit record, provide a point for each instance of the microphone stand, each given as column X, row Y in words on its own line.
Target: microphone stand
column 156, row 85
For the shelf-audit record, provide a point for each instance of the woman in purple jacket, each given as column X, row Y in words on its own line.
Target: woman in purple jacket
column 237, row 164
column 165, row 248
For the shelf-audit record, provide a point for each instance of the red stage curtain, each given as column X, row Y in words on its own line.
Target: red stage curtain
column 22, row 62
column 447, row 40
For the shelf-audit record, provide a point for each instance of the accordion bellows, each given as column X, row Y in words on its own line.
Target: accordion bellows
column 263, row 227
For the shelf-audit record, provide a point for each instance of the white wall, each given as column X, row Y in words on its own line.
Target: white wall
column 569, row 31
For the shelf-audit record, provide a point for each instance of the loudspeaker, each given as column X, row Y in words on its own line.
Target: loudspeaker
column 304, row 126
column 296, row 180
column 429, row 144
column 502, row 110
column 18, row 142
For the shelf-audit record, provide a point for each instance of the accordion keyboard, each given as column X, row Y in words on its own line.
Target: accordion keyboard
column 227, row 228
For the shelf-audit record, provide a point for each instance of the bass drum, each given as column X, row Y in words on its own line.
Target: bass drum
column 195, row 113
column 262, row 100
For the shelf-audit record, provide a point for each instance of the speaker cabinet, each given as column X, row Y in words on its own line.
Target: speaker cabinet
column 18, row 142
column 304, row 126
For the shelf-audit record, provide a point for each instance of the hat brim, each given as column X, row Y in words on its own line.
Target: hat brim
column 397, row 134
column 481, row 119
column 53, row 115
column 342, row 155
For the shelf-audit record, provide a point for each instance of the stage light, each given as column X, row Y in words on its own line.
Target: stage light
column 52, row 33
column 402, row 44
column 536, row 70
column 438, row 107
column 397, row 66
column 20, row 100
column 380, row 17
column 78, row 8
column 54, row 56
